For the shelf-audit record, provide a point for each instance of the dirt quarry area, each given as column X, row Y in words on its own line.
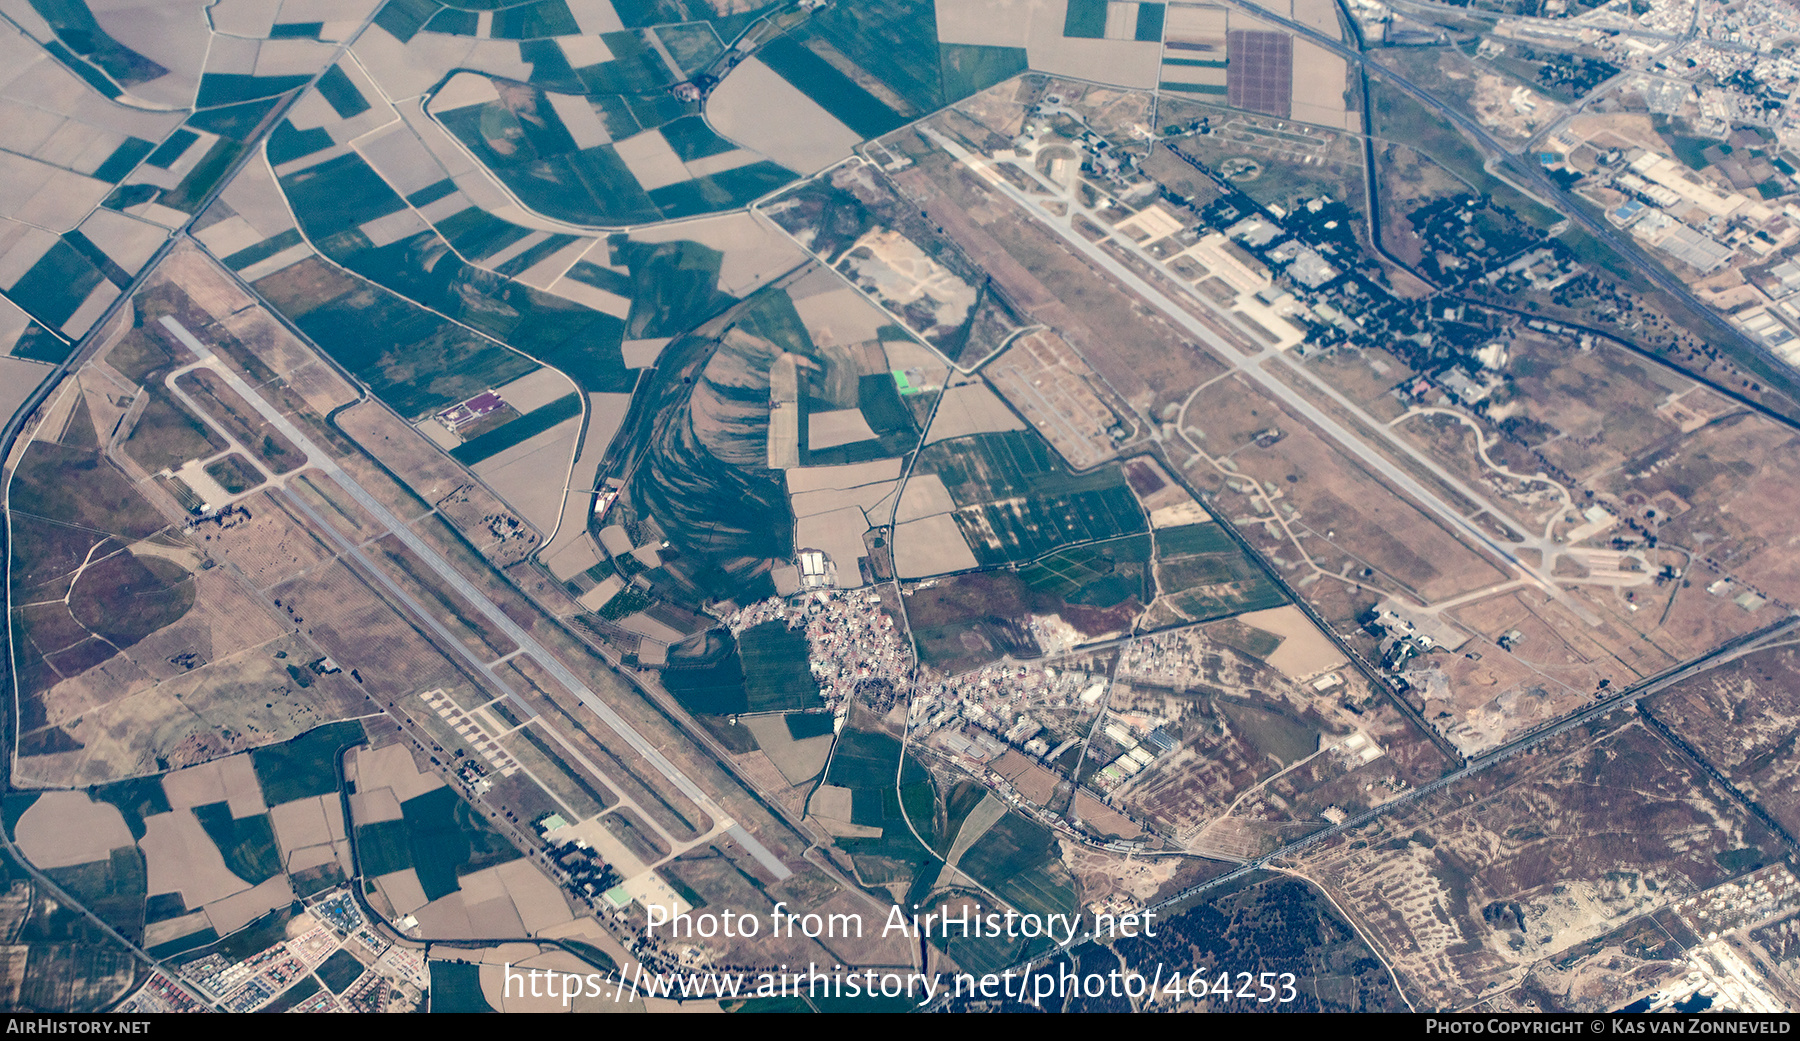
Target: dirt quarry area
column 1464, row 891
column 1531, row 660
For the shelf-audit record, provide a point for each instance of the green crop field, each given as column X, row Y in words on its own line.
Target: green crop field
column 802, row 725
column 864, row 759
column 712, row 690
column 777, row 676
column 294, row 995
column 340, row 970
column 1149, row 23
column 673, row 286
column 518, row 431
column 1085, row 19
column 1242, row 597
column 725, row 190
column 343, row 97
column 164, row 907
column 835, row 92
column 456, row 987
column 75, row 25
column 136, row 799
column 533, row 20
column 235, row 122
column 448, row 839
column 172, row 148
column 414, row 360
column 1193, row 538
column 247, row 843
column 1018, row 858
column 1041, row 507
column 693, row 45
column 896, row 43
column 338, row 195
column 985, row 467
column 1206, row 574
column 263, row 250
column 123, row 159
column 1066, row 573
column 114, row 889
column 523, row 141
column 382, row 848
column 183, row 944
column 222, row 88
column 770, row 314
column 636, row 67
column 53, row 287
column 305, row 766
column 970, row 69
column 37, row 343
column 478, row 234
column 1016, row 530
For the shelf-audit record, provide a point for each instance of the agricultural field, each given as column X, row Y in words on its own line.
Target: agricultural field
column 437, row 837
column 128, row 141
column 868, row 798
column 620, row 164
column 763, row 670
column 180, row 861
column 1100, row 574
column 1202, row 574
column 1015, row 502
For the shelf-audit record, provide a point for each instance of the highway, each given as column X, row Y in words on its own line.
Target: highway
column 1605, row 706
column 527, row 644
column 1626, row 698
column 79, row 352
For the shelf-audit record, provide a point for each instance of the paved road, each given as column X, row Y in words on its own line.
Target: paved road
column 1532, row 173
column 1427, row 9
column 527, row 644
column 1627, row 698
column 1281, row 391
column 1624, row 699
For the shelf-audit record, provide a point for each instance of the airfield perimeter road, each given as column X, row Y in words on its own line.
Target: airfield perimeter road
column 1627, row 698
column 1251, row 366
column 78, row 355
column 489, row 610
column 350, row 555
